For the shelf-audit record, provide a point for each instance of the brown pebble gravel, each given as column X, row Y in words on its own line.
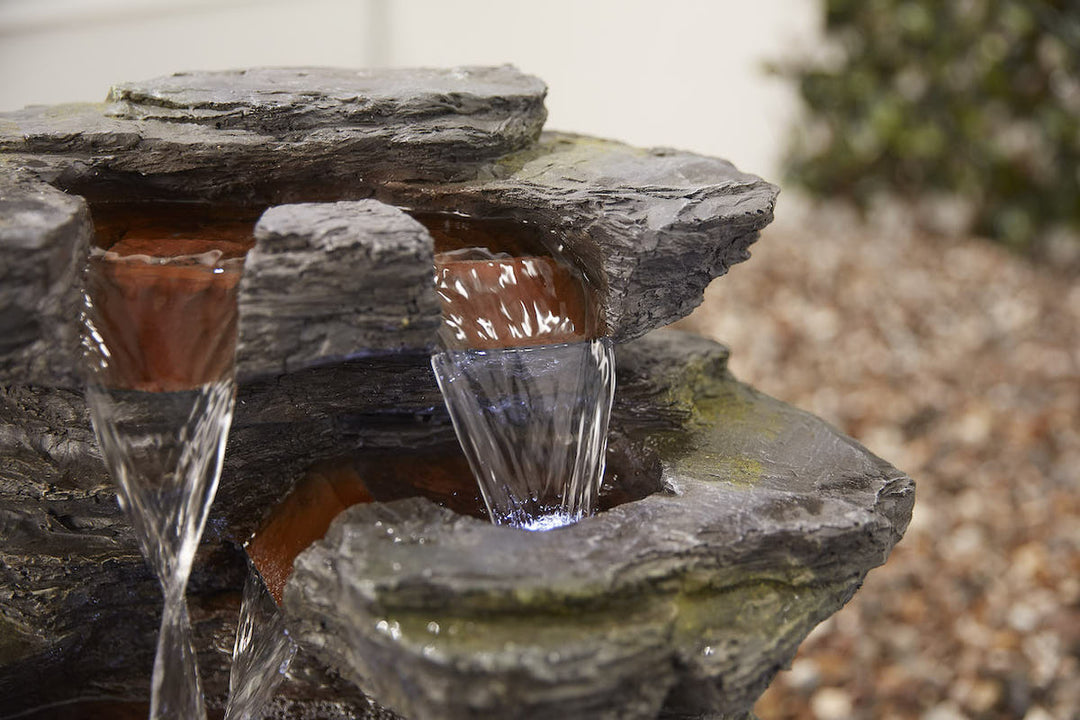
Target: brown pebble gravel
column 958, row 362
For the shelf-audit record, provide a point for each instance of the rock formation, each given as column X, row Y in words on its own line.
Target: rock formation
column 651, row 227
column 767, row 522
column 44, row 236
column 688, row 600
column 359, row 281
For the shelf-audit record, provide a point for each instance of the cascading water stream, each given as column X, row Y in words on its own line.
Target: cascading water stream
column 528, row 385
column 262, row 653
column 263, row 650
column 164, row 449
column 159, row 340
column 533, row 424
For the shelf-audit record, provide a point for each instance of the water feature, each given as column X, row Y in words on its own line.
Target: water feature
column 533, row 423
column 662, row 224
column 262, row 653
column 164, row 449
column 159, row 341
column 527, row 382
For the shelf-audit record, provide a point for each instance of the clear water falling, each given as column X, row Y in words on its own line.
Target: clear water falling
column 159, row 339
column 533, row 423
column 261, row 655
column 164, row 450
column 528, row 385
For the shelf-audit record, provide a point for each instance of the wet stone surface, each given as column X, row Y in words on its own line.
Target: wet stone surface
column 688, row 600
column 650, row 227
column 69, row 554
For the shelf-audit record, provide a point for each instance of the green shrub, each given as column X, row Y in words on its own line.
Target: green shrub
column 975, row 99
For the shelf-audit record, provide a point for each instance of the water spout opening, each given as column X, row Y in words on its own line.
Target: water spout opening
column 524, row 370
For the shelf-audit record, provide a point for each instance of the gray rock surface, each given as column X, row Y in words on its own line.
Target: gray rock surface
column 79, row 608
column 479, row 108
column 78, row 603
column 44, row 234
column 651, row 227
column 687, row 601
column 329, row 281
column 265, row 134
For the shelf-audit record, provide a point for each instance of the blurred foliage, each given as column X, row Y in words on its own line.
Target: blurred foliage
column 973, row 100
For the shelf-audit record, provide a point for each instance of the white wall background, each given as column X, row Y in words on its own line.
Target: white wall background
column 682, row 73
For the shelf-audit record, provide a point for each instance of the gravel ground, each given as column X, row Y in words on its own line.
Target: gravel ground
column 959, row 363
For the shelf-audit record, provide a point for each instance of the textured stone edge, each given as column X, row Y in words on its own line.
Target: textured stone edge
column 159, row 152
column 650, row 239
column 717, row 573
column 279, row 100
column 44, row 238
column 328, row 282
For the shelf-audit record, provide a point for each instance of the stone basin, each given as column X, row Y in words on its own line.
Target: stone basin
column 683, row 603
column 688, row 600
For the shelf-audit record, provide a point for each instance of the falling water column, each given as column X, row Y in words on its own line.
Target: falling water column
column 528, row 385
column 160, row 336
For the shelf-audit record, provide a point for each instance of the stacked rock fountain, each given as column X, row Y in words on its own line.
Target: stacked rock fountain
column 730, row 523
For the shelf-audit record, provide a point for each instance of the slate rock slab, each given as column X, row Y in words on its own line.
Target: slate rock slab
column 44, row 235
column 650, row 227
column 685, row 602
column 255, row 133
column 330, row 281
column 495, row 107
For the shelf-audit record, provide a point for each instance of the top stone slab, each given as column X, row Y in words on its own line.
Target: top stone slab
column 260, row 134
column 500, row 103
column 650, row 228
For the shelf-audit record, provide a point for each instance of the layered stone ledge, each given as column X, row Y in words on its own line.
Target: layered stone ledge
column 650, row 228
column 261, row 134
column 687, row 601
column 763, row 502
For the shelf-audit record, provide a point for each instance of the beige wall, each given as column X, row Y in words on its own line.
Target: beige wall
column 683, row 73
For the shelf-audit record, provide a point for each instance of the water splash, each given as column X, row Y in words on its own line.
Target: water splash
column 533, row 424
column 262, row 654
column 164, row 450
